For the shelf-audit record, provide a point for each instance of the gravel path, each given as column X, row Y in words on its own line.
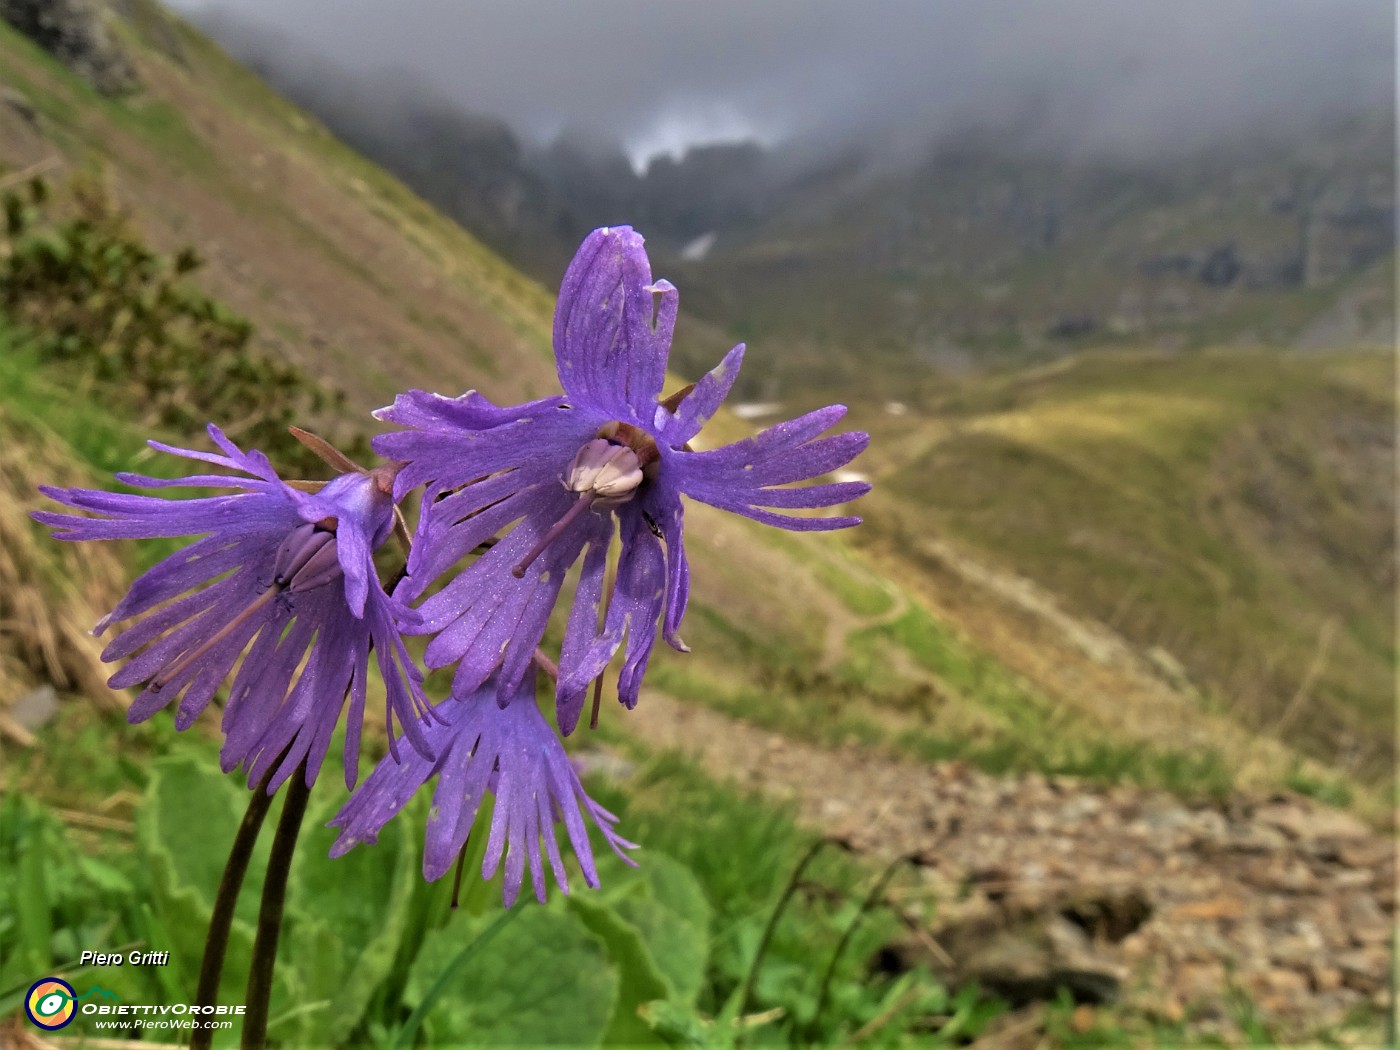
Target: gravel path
column 1120, row 892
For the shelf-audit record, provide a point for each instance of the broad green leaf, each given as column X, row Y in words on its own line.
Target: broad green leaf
column 678, row 1025
column 405, row 1034
column 544, row 980
column 678, row 947
column 682, row 1026
column 641, row 979
column 186, row 827
column 675, row 886
column 664, row 903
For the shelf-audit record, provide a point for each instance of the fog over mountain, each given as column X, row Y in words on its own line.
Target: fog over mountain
column 945, row 185
column 1083, row 75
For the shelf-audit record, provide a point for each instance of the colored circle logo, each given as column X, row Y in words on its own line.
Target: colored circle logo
column 49, row 1003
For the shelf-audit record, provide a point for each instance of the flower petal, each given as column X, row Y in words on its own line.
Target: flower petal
column 747, row 475
column 480, row 613
column 663, row 506
column 637, row 603
column 453, row 441
column 482, row 746
column 586, row 651
column 611, row 337
column 701, row 403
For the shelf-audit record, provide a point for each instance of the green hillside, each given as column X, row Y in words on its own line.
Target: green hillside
column 1232, row 510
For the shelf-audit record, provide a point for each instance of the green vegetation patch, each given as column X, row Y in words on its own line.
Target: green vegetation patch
column 376, row 955
column 117, row 320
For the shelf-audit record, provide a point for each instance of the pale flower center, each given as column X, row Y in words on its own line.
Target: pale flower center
column 606, row 472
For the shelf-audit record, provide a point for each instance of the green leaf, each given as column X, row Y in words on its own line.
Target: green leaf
column 675, row 885
column 663, row 903
column 405, row 1034
column 674, row 921
column 308, row 1017
column 186, row 826
column 32, row 896
column 676, row 1024
column 678, row 947
column 178, row 975
column 545, row 980
column 103, row 877
column 640, row 978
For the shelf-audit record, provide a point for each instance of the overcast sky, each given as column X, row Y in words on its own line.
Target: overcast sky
column 662, row 74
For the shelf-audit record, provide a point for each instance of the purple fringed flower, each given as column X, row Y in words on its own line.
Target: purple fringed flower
column 510, row 751
column 567, row 472
column 286, row 577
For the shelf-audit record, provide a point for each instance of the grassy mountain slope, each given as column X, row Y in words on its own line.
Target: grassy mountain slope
column 340, row 266
column 1231, row 511
column 351, row 276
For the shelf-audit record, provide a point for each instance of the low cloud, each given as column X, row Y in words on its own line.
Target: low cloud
column 1087, row 74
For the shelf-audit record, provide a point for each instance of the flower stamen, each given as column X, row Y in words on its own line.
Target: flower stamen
column 585, row 501
column 172, row 671
column 604, row 474
column 609, row 471
column 307, row 559
column 597, row 702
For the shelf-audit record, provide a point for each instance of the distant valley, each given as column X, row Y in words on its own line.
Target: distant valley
column 985, row 248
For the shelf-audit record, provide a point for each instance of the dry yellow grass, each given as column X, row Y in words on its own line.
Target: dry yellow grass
column 1144, row 419
column 50, row 593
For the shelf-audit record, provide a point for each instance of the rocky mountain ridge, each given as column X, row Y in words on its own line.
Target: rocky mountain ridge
column 75, row 32
column 982, row 247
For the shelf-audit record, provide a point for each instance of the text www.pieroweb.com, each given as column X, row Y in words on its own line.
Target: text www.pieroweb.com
column 186, row 1023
